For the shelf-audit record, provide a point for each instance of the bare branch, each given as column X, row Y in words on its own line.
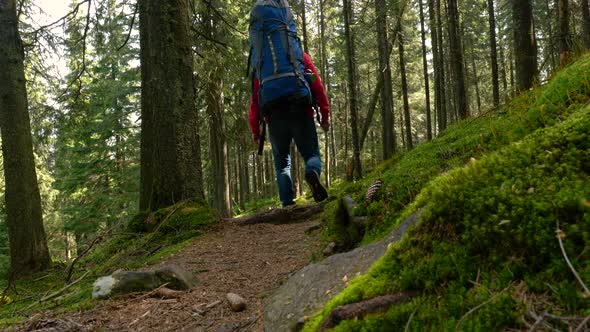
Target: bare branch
column 65, row 18
column 130, row 27
column 560, row 236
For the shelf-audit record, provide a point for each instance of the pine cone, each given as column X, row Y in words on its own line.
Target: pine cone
column 373, row 189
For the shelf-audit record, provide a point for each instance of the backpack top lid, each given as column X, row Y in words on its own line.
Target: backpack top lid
column 272, row 3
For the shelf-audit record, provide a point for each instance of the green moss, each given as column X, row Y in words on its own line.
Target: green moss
column 407, row 173
column 493, row 220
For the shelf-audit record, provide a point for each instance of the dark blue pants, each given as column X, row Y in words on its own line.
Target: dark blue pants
column 284, row 128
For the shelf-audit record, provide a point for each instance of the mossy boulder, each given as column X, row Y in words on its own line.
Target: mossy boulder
column 488, row 229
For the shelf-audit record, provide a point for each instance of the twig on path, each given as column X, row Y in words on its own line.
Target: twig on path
column 560, row 236
column 491, row 299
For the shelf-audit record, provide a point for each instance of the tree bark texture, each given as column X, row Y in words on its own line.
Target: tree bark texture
column 170, row 148
column 493, row 53
column 384, row 76
column 525, row 44
column 28, row 245
column 426, row 79
column 456, row 45
column 352, row 87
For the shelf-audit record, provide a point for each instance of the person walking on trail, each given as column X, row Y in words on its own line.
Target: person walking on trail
column 289, row 122
column 285, row 86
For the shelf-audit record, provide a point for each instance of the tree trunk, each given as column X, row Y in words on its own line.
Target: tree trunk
column 255, row 186
column 243, row 177
column 28, row 245
column 525, row 44
column 268, row 180
column 564, row 32
column 371, row 111
column 218, row 148
column 426, row 80
column 442, row 114
column 326, row 77
column 170, row 148
column 404, row 88
column 550, row 43
column 333, row 148
column 493, row 53
column 585, row 23
column 304, row 27
column 476, row 81
column 457, row 61
column 504, row 75
column 352, row 87
column 384, row 75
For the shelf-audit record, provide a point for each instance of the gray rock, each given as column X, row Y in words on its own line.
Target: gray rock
column 122, row 282
column 311, row 287
column 176, row 277
column 236, row 302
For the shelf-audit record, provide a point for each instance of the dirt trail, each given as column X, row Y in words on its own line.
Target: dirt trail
column 248, row 260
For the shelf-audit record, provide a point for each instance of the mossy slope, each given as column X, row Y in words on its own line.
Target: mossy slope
column 490, row 225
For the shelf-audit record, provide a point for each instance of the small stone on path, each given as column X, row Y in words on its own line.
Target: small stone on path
column 236, row 302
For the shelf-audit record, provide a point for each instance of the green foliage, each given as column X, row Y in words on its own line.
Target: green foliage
column 493, row 220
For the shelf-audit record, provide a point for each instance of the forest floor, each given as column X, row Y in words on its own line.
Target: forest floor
column 250, row 260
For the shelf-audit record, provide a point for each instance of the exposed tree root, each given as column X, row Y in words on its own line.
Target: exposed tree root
column 297, row 213
column 349, row 205
column 359, row 309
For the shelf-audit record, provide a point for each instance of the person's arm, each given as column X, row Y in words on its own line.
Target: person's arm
column 319, row 93
column 254, row 114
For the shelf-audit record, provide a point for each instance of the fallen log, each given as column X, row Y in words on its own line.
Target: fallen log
column 292, row 214
column 371, row 306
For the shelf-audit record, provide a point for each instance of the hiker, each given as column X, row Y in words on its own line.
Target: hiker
column 285, row 86
column 294, row 122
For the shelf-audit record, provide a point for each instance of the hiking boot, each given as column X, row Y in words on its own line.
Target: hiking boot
column 318, row 191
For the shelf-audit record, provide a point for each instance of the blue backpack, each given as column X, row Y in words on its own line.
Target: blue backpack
column 276, row 56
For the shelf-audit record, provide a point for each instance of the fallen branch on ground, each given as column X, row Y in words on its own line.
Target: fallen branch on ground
column 70, row 268
column 54, row 294
column 374, row 305
column 560, row 236
column 297, row 213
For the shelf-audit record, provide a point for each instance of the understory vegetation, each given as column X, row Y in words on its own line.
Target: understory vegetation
column 146, row 239
column 503, row 198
